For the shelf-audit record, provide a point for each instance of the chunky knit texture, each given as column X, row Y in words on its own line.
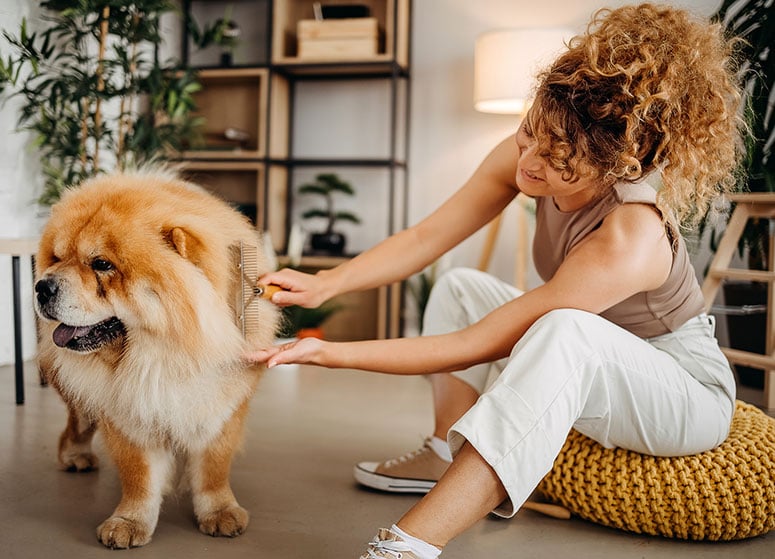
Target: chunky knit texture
column 727, row 493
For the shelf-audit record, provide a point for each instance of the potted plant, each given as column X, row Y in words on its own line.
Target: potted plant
column 223, row 32
column 300, row 322
column 420, row 286
column 94, row 92
column 754, row 22
column 325, row 186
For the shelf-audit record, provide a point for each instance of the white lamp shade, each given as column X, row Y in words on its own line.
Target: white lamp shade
column 505, row 65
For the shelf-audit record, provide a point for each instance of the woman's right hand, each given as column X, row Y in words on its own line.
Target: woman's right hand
column 298, row 288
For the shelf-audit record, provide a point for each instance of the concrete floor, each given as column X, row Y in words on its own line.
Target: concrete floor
column 307, row 428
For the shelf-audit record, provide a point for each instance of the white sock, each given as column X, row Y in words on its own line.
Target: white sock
column 421, row 548
column 441, row 448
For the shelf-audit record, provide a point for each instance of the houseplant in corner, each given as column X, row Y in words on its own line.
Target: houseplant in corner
column 753, row 21
column 326, row 185
column 93, row 91
column 300, row 322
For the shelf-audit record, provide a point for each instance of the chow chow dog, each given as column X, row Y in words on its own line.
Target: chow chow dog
column 137, row 288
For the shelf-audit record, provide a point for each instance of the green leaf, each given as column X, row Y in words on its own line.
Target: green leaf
column 315, row 213
column 346, row 216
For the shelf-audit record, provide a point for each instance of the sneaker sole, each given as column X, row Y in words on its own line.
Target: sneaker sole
column 391, row 484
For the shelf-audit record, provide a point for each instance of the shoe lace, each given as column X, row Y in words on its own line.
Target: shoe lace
column 385, row 548
column 410, row 455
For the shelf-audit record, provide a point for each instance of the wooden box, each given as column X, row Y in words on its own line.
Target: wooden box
column 337, row 39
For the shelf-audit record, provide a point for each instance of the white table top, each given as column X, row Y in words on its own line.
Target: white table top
column 19, row 246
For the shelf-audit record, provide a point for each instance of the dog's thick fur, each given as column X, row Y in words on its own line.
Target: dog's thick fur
column 136, row 287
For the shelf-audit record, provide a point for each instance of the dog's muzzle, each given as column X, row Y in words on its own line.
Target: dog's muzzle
column 46, row 290
column 83, row 339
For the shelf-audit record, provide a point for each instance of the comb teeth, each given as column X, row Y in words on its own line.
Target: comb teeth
column 249, row 293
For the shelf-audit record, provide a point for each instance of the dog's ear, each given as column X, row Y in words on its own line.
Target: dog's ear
column 184, row 243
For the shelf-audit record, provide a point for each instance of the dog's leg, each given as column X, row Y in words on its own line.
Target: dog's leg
column 145, row 474
column 215, row 506
column 75, row 453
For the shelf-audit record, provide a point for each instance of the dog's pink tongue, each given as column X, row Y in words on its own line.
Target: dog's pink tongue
column 63, row 333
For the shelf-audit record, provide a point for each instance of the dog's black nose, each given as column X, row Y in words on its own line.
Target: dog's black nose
column 46, row 289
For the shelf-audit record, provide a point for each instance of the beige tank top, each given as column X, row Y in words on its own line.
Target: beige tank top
column 646, row 314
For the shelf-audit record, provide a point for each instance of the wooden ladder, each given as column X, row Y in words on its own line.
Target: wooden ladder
column 747, row 206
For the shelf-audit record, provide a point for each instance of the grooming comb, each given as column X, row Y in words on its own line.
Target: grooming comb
column 250, row 291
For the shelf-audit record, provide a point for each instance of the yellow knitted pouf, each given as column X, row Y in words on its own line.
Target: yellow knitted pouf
column 727, row 493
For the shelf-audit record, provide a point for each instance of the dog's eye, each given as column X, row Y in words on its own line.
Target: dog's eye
column 101, row 265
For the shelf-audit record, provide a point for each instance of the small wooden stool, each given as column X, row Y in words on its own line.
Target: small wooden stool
column 18, row 248
column 747, row 206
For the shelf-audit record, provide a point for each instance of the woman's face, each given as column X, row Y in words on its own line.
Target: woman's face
column 535, row 177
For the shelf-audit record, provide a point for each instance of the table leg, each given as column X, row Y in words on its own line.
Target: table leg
column 17, row 330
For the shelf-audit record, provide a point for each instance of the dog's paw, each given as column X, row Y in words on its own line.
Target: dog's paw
column 228, row 522
column 78, row 461
column 122, row 533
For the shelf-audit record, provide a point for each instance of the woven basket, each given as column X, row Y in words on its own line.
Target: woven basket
column 727, row 493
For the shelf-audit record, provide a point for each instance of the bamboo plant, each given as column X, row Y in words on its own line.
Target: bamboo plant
column 93, row 91
column 754, row 22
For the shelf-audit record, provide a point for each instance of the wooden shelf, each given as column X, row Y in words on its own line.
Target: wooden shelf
column 366, row 314
column 245, row 185
column 330, row 162
column 241, row 183
column 232, row 98
column 392, row 19
column 252, row 16
column 375, row 68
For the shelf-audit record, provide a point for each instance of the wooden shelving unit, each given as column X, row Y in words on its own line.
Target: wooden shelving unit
column 233, row 99
column 392, row 42
column 258, row 95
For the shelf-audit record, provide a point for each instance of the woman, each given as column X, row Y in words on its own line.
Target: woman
column 615, row 343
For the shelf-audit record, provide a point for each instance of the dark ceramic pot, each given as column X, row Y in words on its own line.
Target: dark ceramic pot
column 329, row 243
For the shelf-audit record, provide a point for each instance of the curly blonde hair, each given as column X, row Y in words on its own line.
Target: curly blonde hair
column 646, row 87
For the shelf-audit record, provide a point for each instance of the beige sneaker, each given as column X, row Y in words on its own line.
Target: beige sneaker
column 388, row 545
column 415, row 472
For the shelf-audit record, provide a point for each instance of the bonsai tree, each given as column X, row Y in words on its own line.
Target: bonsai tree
column 93, row 90
column 325, row 186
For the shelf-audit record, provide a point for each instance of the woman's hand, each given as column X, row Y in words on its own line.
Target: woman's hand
column 305, row 290
column 306, row 350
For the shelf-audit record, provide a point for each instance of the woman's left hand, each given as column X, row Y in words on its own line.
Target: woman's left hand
column 306, row 350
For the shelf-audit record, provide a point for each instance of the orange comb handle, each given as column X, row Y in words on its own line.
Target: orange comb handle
column 266, row 291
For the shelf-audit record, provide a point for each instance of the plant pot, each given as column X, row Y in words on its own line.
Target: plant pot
column 328, row 243
column 747, row 331
column 310, row 333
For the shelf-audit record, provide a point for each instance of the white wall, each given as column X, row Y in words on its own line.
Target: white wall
column 448, row 138
column 20, row 185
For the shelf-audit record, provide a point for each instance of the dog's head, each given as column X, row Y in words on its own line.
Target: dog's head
column 138, row 258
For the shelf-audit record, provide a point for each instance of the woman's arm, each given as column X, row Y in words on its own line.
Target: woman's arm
column 482, row 197
column 628, row 254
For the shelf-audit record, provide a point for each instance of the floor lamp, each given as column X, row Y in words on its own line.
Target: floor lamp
column 505, row 64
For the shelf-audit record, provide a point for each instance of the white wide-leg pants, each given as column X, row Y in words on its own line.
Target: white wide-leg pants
column 666, row 396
